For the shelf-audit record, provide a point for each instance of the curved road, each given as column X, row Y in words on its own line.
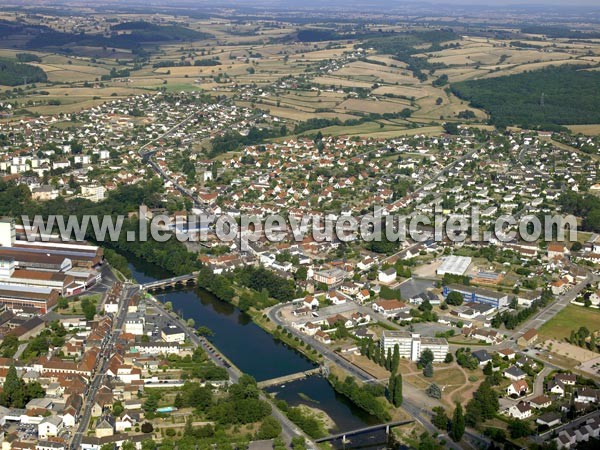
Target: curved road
column 412, row 404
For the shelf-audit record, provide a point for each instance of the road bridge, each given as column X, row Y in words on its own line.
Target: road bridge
column 180, row 281
column 383, row 426
column 288, row 378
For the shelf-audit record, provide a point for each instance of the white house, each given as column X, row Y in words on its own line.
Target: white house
column 514, row 373
column 389, row 308
column 111, row 306
column 50, row 427
column 363, row 295
column 310, row 302
column 124, row 422
column 387, row 276
column 517, row 388
column 336, row 298
column 520, row 411
column 172, row 333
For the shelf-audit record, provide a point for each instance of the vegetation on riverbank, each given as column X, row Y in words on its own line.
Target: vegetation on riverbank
column 367, row 397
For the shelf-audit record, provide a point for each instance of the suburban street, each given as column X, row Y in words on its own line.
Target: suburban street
column 547, row 313
column 414, row 400
column 101, row 364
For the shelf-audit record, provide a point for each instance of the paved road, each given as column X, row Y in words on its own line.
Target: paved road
column 106, row 349
column 289, row 429
column 415, row 402
column 551, row 309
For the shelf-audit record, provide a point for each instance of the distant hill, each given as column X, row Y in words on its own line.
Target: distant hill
column 547, row 98
column 126, row 35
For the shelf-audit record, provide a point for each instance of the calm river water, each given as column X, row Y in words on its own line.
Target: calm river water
column 257, row 353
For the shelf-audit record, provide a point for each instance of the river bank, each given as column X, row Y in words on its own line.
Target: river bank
column 255, row 351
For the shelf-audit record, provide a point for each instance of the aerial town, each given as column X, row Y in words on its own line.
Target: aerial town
column 480, row 328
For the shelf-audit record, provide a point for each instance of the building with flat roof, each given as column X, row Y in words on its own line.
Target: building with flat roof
column 477, row 295
column 411, row 345
column 454, row 265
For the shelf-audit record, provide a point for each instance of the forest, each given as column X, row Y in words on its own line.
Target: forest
column 134, row 37
column 543, row 99
column 14, row 73
column 585, row 206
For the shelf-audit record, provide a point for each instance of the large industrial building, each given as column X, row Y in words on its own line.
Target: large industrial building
column 411, row 345
column 34, row 274
column 454, row 265
column 477, row 295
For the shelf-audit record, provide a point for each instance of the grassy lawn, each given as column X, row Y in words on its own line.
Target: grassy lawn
column 570, row 318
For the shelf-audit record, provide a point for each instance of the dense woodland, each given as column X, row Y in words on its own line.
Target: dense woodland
column 585, row 206
column 545, row 98
column 15, row 73
column 125, row 35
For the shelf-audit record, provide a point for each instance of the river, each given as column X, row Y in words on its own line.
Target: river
column 256, row 352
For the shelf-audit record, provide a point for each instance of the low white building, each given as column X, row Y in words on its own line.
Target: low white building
column 172, row 333
column 50, row 427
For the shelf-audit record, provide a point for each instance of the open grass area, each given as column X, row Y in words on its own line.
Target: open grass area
column 570, row 318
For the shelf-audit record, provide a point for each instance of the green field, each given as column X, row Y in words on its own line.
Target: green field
column 571, row 318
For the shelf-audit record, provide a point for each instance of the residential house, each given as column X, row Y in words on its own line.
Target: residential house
column 549, row 419
column 528, row 338
column 514, row 373
column 540, row 402
column 482, row 356
column 387, row 276
column 50, row 427
column 517, row 388
column 322, row 337
column 520, row 411
column 310, row 302
column 389, row 308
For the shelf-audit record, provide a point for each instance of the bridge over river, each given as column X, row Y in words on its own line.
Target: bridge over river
column 383, row 426
column 180, row 281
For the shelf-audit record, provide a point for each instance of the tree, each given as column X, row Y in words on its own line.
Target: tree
column 488, row 369
column 168, row 306
column 426, row 357
column 449, row 358
column 518, row 429
column 13, row 390
column 440, row 420
column 109, row 446
column 395, row 359
column 117, row 408
column 128, row 445
column 428, row 370
column 454, row 298
column 148, row 444
column 483, row 405
column 395, row 390
column 205, row 331
column 147, row 427
column 270, row 428
column 434, row 391
column 457, row 430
